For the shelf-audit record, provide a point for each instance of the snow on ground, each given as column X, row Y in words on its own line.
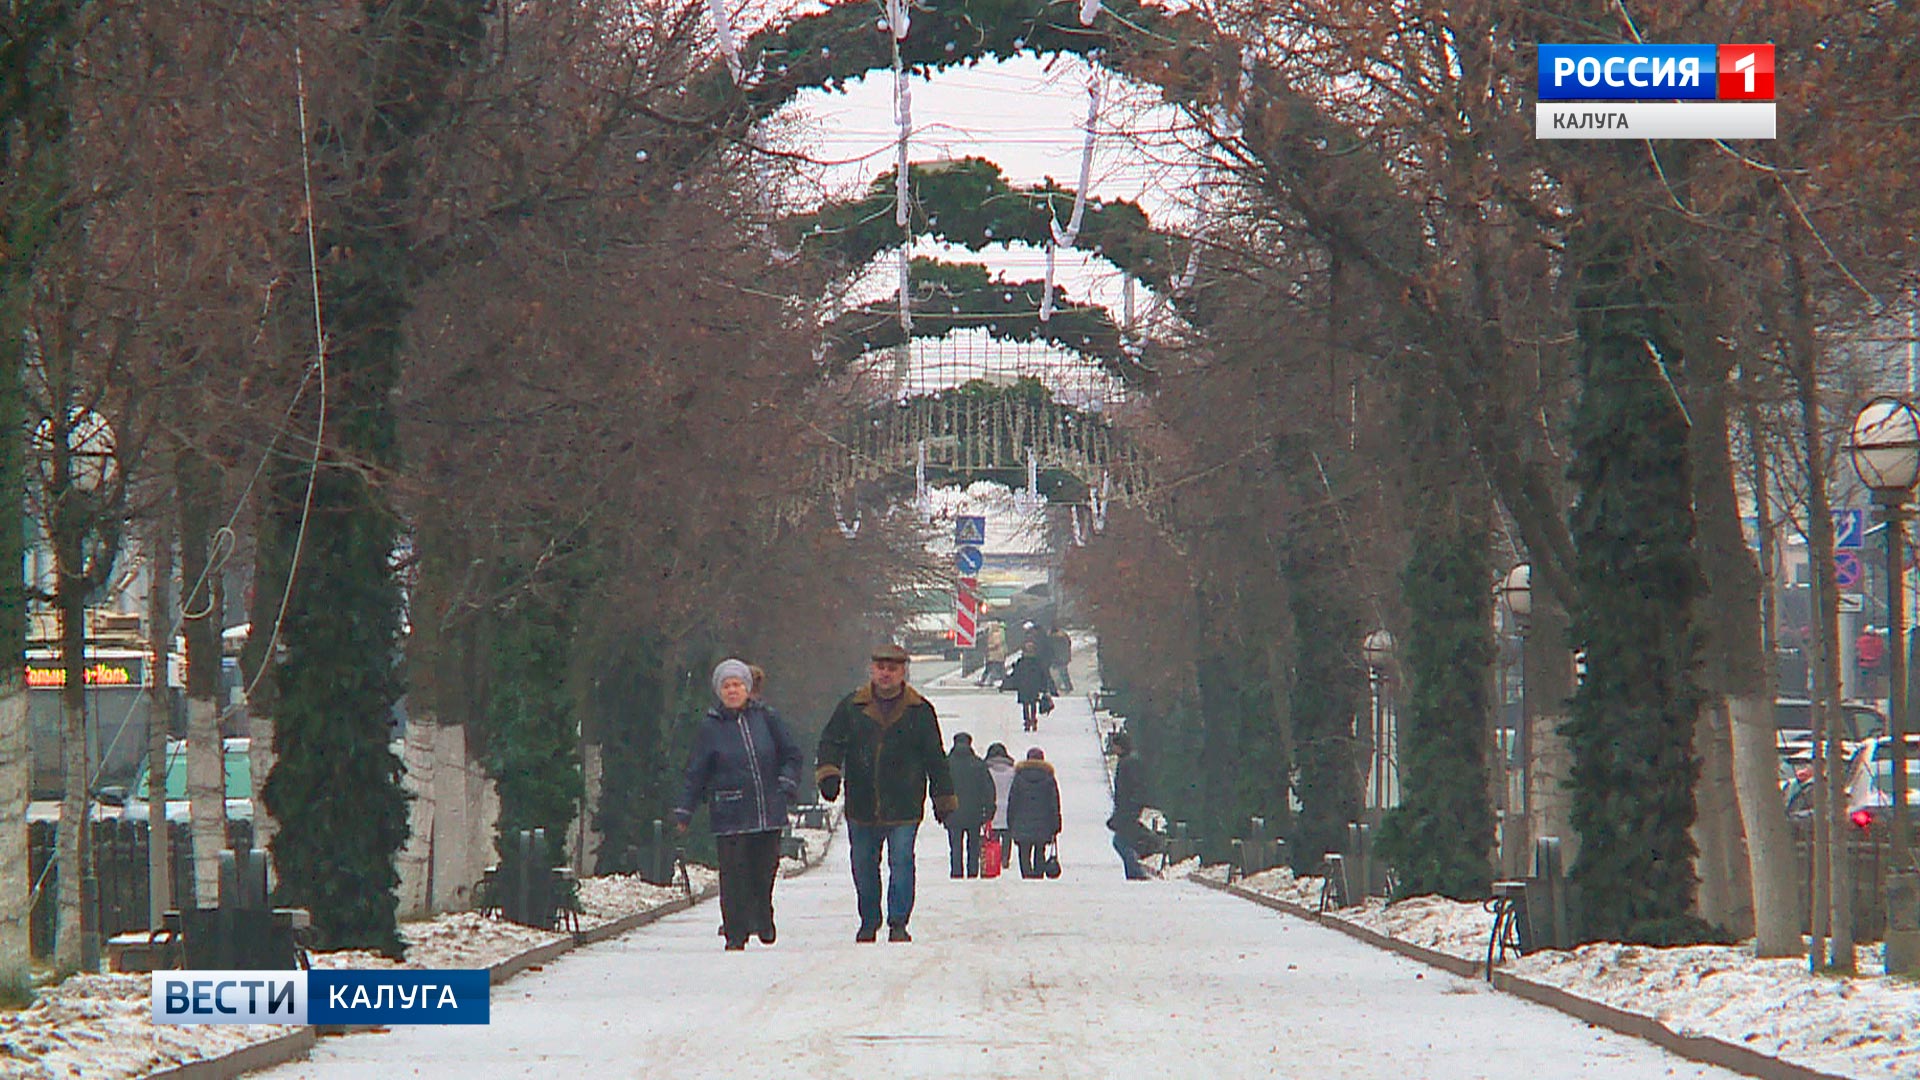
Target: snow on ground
column 99, row 1027
column 1087, row 976
column 1865, row 1026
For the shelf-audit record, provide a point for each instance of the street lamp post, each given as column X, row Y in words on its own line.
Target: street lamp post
column 1378, row 650
column 1516, row 592
column 1886, row 455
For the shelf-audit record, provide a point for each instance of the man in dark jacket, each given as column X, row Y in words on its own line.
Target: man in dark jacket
column 1059, row 658
column 1129, row 798
column 1030, row 681
column 973, row 788
column 884, row 742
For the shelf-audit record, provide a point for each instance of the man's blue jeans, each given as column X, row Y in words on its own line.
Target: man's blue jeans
column 1129, row 858
column 865, row 842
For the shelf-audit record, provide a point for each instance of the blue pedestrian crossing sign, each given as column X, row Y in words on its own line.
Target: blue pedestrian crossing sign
column 970, row 529
column 968, row 560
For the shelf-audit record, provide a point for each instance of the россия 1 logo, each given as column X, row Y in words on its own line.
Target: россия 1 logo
column 1655, row 92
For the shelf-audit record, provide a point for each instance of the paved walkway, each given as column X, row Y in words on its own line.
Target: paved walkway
column 1087, row 976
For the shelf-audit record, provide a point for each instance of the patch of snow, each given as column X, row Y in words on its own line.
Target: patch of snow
column 1185, row 868
column 615, row 896
column 100, row 1026
column 1865, row 1026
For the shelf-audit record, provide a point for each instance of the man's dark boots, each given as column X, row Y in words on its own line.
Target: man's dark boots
column 898, row 932
column 867, row 934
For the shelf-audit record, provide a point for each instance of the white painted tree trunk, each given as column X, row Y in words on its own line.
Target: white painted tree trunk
column 15, row 889
column 1552, row 796
column 206, row 797
column 159, row 717
column 466, row 810
column 67, row 839
column 260, row 736
column 1725, row 897
column 586, row 848
column 1776, row 878
column 414, row 862
column 1550, row 681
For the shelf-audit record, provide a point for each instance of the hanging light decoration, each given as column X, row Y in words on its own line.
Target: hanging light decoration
column 1066, row 237
column 723, row 30
column 848, row 529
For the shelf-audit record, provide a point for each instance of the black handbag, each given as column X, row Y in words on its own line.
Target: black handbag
column 1046, row 704
column 1051, row 866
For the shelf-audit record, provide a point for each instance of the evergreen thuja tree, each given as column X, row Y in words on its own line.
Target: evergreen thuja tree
column 1631, row 729
column 1439, row 837
column 1327, row 689
column 335, row 787
column 645, row 712
column 532, row 729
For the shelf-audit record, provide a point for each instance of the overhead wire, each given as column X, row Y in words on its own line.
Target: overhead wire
column 227, row 533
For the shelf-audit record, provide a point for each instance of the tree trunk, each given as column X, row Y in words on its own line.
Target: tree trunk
column 70, row 843
column 206, row 797
column 1725, row 899
column 16, row 977
column 1732, row 666
column 1773, row 869
column 206, row 757
column 258, row 671
column 159, row 720
column 1805, row 349
column 1549, row 685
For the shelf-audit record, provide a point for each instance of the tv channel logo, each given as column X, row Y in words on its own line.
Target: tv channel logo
column 1656, row 91
column 386, row 997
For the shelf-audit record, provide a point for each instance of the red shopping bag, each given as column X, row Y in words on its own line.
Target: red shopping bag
column 990, row 855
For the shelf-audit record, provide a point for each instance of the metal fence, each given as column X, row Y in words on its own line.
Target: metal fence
column 120, row 867
column 1871, row 856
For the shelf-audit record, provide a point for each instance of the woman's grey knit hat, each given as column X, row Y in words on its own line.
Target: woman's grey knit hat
column 731, row 669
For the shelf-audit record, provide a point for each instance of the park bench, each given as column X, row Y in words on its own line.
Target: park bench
column 528, row 889
column 243, row 933
column 1180, row 846
column 791, row 846
column 1257, row 852
column 810, row 816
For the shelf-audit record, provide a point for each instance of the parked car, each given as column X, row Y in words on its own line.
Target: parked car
column 1793, row 720
column 239, row 783
column 1796, row 780
column 106, row 807
column 1870, row 780
column 929, row 627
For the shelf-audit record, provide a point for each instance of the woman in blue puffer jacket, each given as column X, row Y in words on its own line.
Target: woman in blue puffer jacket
column 746, row 767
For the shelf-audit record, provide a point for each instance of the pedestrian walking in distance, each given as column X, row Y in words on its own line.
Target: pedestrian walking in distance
column 973, row 809
column 993, row 652
column 1029, row 680
column 1000, row 766
column 883, row 744
column 746, row 767
column 1059, row 657
column 1129, row 798
column 1033, row 811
